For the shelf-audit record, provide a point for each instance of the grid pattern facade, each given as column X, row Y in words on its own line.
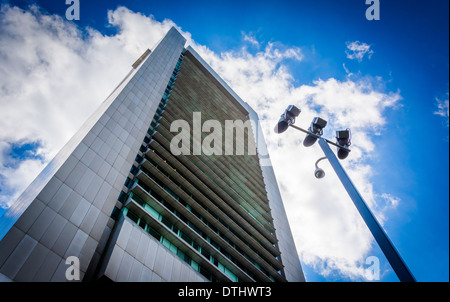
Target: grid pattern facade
column 212, row 211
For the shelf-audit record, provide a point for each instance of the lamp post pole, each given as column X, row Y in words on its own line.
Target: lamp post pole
column 391, row 253
column 343, row 141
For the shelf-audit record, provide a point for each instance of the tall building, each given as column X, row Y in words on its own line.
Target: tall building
column 169, row 180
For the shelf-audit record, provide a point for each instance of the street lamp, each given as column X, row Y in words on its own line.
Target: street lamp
column 316, row 127
column 343, row 138
column 287, row 118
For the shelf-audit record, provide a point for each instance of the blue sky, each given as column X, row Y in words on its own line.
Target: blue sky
column 403, row 56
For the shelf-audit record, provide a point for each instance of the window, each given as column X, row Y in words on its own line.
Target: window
column 132, row 216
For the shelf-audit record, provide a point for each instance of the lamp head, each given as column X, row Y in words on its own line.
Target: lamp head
column 343, row 138
column 316, row 127
column 287, row 118
column 319, row 173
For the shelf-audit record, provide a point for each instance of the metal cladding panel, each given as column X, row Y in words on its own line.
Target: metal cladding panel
column 65, row 211
column 135, row 256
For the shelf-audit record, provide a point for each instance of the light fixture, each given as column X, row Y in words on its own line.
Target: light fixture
column 287, row 118
column 319, row 173
column 343, row 138
column 316, row 127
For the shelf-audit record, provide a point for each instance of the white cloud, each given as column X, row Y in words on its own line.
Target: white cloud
column 55, row 75
column 329, row 233
column 442, row 109
column 392, row 201
column 250, row 38
column 357, row 50
column 53, row 78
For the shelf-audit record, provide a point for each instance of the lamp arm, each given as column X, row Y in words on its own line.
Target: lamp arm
column 318, row 136
column 317, row 162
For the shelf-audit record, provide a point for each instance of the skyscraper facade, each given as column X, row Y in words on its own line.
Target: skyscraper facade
column 169, row 180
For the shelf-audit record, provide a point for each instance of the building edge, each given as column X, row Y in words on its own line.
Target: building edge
column 48, row 222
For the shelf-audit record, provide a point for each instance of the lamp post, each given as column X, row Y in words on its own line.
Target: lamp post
column 343, row 142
